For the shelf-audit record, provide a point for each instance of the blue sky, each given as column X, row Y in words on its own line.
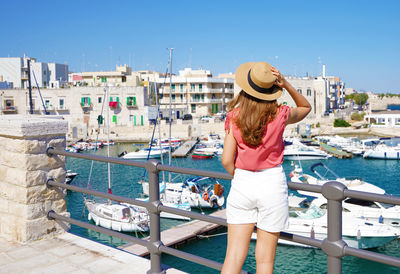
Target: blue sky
column 358, row 41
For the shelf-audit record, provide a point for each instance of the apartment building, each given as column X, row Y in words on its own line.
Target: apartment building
column 50, row 75
column 195, row 92
column 81, row 106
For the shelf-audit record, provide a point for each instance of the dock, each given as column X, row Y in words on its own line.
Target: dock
column 184, row 149
column 338, row 153
column 178, row 234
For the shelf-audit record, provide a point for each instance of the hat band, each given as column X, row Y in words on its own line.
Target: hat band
column 260, row 89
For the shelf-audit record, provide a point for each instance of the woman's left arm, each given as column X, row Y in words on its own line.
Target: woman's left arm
column 229, row 152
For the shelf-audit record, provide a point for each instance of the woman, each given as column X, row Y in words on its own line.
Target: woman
column 253, row 154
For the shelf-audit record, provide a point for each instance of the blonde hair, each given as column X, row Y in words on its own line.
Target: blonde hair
column 254, row 115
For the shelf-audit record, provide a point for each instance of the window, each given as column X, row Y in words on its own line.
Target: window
column 99, row 100
column 131, row 101
column 181, row 97
column 192, row 87
column 197, row 98
column 114, row 102
column 103, row 79
column 214, row 108
column 131, row 118
column 85, row 101
column 173, row 97
column 200, row 87
column 115, row 119
column 173, row 87
column 299, row 90
column 231, row 86
column 181, row 87
column 193, row 108
column 308, row 92
column 61, row 103
column 202, row 97
column 47, row 103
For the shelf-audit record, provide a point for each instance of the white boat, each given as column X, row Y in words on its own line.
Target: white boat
column 356, row 232
column 298, row 151
column 144, row 154
column 367, row 210
column 297, row 176
column 119, row 217
column 211, row 148
column 167, row 215
column 386, row 149
column 199, row 192
column 69, row 176
column 112, row 215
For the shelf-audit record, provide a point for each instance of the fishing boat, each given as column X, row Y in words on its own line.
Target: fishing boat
column 111, row 214
column 200, row 154
column 297, row 176
column 199, row 192
column 356, row 232
column 216, row 148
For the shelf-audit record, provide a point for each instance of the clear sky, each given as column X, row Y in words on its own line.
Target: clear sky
column 358, row 41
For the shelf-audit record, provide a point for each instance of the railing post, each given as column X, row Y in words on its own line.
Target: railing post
column 154, row 199
column 334, row 245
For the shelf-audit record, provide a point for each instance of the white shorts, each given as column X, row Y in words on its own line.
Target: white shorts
column 259, row 197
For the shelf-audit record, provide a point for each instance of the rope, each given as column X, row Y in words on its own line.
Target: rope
column 210, row 236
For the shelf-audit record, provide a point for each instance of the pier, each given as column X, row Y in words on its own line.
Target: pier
column 184, row 149
column 335, row 152
column 179, row 234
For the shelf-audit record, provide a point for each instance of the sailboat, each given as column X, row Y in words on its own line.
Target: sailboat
column 113, row 215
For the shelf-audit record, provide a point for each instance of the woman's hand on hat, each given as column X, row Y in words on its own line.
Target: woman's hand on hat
column 280, row 80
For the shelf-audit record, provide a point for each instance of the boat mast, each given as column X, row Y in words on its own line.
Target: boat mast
column 170, row 108
column 108, row 142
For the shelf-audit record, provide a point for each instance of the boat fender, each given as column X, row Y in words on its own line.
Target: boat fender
column 205, row 196
column 89, row 216
column 312, row 233
column 358, row 234
column 97, row 221
column 381, row 219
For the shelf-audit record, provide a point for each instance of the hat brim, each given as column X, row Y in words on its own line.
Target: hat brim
column 241, row 79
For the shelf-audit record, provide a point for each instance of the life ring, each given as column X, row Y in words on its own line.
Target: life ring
column 205, row 196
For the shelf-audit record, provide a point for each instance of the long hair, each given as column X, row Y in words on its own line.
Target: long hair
column 254, row 115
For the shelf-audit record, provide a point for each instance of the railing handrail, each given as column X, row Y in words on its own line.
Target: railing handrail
column 333, row 246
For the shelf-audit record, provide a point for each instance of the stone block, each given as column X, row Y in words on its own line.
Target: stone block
column 27, row 211
column 37, row 194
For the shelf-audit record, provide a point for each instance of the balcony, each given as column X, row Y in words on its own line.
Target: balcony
column 61, row 108
column 113, row 104
column 9, row 109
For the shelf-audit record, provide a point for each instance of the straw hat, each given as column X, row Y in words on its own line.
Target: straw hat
column 257, row 80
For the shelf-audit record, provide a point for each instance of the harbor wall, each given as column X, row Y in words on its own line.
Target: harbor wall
column 24, row 170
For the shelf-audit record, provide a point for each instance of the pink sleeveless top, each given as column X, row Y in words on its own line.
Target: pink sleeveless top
column 270, row 152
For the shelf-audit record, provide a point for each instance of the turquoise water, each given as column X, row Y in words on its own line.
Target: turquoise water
column 382, row 173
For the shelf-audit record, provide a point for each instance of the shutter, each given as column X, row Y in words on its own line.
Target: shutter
column 117, row 101
column 134, row 101
column 115, row 119
column 89, row 101
column 82, row 101
column 134, row 120
column 111, row 99
column 141, row 120
column 127, row 101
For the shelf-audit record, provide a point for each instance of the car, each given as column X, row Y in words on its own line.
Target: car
column 187, row 117
column 206, row 118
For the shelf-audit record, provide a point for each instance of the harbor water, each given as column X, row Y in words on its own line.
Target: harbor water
column 383, row 173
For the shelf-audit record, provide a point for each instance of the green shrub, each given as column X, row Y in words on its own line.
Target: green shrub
column 357, row 116
column 340, row 123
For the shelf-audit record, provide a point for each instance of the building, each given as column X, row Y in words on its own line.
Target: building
column 195, row 92
column 81, row 106
column 49, row 75
column 122, row 76
column 385, row 119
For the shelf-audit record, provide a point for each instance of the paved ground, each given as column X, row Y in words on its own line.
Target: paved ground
column 68, row 253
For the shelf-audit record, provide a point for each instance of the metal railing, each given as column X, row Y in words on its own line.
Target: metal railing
column 333, row 246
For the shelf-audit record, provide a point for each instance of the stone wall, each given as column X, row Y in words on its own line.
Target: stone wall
column 24, row 170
